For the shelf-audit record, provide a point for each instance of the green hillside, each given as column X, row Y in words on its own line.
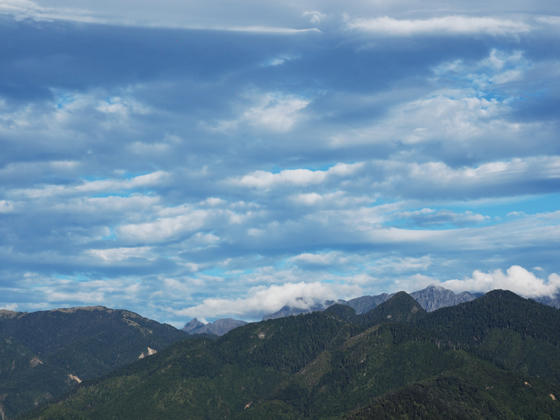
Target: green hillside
column 44, row 354
column 483, row 359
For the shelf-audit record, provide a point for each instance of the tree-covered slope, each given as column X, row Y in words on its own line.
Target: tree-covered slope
column 44, row 354
column 336, row 364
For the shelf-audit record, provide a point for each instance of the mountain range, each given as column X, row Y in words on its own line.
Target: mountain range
column 431, row 298
column 494, row 357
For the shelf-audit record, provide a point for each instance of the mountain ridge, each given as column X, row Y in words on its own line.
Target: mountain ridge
column 45, row 353
column 324, row 365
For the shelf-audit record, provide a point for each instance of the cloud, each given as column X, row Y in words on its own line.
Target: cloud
column 492, row 179
column 516, row 279
column 9, row 306
column 6, row 206
column 278, row 113
column 431, row 217
column 315, row 17
column 262, row 300
column 300, row 177
column 323, row 259
column 460, row 25
column 97, row 186
column 119, row 254
column 182, row 165
column 25, row 9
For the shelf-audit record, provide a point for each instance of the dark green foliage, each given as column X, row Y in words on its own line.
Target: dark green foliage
column 38, row 351
column 468, row 324
column 400, row 308
column 477, row 391
column 336, row 364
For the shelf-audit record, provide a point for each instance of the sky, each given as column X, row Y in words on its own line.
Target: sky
column 220, row 159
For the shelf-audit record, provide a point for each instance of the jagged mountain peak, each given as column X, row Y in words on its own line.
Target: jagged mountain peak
column 218, row 327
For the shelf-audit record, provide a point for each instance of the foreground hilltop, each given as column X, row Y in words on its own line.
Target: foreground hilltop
column 43, row 354
column 497, row 356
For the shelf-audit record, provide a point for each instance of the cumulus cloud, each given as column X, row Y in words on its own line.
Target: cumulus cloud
column 314, row 17
column 164, row 228
column 300, row 177
column 120, row 254
column 517, row 279
column 438, row 25
column 9, row 306
column 6, row 206
column 324, row 259
column 274, row 112
column 262, row 300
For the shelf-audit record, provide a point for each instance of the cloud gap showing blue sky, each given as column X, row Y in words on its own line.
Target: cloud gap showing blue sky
column 218, row 159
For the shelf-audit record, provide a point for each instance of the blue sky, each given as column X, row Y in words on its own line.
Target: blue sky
column 213, row 159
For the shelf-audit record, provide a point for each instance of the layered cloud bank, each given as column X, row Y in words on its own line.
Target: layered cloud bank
column 516, row 279
column 188, row 159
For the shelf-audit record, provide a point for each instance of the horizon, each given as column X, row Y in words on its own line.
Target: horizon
column 218, row 160
column 309, row 309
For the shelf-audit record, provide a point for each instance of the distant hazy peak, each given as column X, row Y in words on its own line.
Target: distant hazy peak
column 434, row 297
column 219, row 327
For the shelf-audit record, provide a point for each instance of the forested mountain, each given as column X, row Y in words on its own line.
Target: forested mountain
column 44, row 354
column 494, row 357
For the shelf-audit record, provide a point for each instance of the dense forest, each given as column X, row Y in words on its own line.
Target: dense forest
column 44, row 354
column 496, row 357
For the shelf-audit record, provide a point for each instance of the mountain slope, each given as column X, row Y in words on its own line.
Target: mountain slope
column 326, row 365
column 44, row 354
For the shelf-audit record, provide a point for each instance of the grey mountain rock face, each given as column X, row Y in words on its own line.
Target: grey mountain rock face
column 192, row 325
column 435, row 297
column 219, row 327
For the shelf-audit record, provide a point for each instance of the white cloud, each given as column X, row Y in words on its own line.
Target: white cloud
column 324, row 259
column 9, row 306
column 98, row 186
column 516, row 279
column 163, row 229
column 6, row 206
column 438, row 25
column 119, row 254
column 278, row 113
column 123, row 107
column 314, row 17
column 25, row 9
column 299, row 177
column 262, row 300
column 269, row 111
